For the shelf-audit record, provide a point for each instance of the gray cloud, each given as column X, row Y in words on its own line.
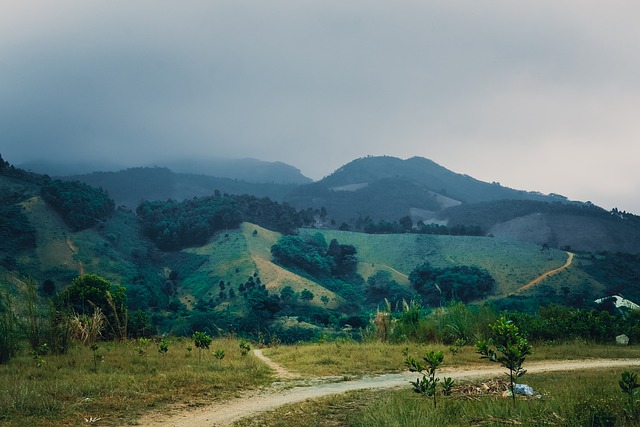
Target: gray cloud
column 537, row 95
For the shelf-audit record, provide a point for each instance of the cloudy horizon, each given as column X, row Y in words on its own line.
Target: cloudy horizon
column 540, row 96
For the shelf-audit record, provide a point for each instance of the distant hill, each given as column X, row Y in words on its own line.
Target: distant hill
column 247, row 170
column 129, row 187
column 387, row 188
column 384, row 188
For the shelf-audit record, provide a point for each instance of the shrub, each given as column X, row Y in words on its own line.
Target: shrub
column 507, row 347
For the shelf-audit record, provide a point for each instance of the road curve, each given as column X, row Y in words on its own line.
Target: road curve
column 225, row 413
column 547, row 274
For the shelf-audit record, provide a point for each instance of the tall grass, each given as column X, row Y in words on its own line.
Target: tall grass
column 66, row 389
column 590, row 398
column 586, row 398
column 8, row 329
column 344, row 357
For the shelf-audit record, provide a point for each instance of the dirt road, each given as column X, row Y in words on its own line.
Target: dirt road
column 547, row 274
column 225, row 413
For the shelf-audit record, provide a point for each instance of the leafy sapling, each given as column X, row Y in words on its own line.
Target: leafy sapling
column 97, row 356
column 143, row 344
column 428, row 384
column 245, row 348
column 219, row 355
column 447, row 386
column 508, row 347
column 202, row 341
column 163, row 346
column 629, row 386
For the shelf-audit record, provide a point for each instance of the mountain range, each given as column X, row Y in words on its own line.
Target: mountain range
column 207, row 258
column 374, row 189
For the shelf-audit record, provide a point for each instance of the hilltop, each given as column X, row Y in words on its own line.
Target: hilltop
column 373, row 193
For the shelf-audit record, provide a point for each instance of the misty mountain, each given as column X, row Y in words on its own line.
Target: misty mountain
column 247, row 169
column 131, row 186
column 68, row 168
column 388, row 188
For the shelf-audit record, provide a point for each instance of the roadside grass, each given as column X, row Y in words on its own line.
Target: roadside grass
column 127, row 379
column 353, row 358
column 577, row 398
column 120, row 384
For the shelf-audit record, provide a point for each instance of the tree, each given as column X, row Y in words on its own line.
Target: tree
column 429, row 382
column 306, row 295
column 202, row 341
column 90, row 292
column 507, row 347
column 406, row 223
column 287, row 293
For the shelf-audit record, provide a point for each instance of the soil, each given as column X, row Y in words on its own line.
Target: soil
column 256, row 402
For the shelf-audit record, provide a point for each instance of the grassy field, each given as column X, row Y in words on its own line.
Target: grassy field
column 121, row 384
column 348, row 357
column 121, row 381
column 581, row 398
column 512, row 264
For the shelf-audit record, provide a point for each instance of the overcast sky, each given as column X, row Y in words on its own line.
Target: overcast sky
column 536, row 94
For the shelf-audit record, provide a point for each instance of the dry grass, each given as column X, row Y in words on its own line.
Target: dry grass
column 352, row 358
column 566, row 399
column 67, row 390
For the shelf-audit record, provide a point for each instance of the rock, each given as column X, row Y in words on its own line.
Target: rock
column 622, row 339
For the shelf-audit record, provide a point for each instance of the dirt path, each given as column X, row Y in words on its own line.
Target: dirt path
column 547, row 274
column 225, row 413
column 74, row 250
column 281, row 371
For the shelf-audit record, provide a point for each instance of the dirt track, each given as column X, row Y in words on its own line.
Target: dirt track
column 225, row 413
column 548, row 273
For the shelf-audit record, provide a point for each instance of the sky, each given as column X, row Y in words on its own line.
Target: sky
column 538, row 95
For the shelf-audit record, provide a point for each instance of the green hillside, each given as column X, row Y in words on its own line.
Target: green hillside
column 511, row 263
column 235, row 255
column 229, row 281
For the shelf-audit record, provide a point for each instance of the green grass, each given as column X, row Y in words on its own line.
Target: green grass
column 353, row 358
column 67, row 389
column 566, row 399
column 512, row 264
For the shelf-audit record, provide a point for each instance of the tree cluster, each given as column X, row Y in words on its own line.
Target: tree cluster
column 80, row 205
column 486, row 214
column 458, row 283
column 313, row 256
column 7, row 169
column 405, row 225
column 16, row 232
column 558, row 323
column 175, row 225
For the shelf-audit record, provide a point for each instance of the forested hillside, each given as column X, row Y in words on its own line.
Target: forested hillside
column 243, row 263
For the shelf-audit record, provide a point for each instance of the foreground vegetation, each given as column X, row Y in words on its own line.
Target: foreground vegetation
column 583, row 398
column 116, row 382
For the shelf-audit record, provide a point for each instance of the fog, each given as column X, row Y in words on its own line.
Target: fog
column 537, row 95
